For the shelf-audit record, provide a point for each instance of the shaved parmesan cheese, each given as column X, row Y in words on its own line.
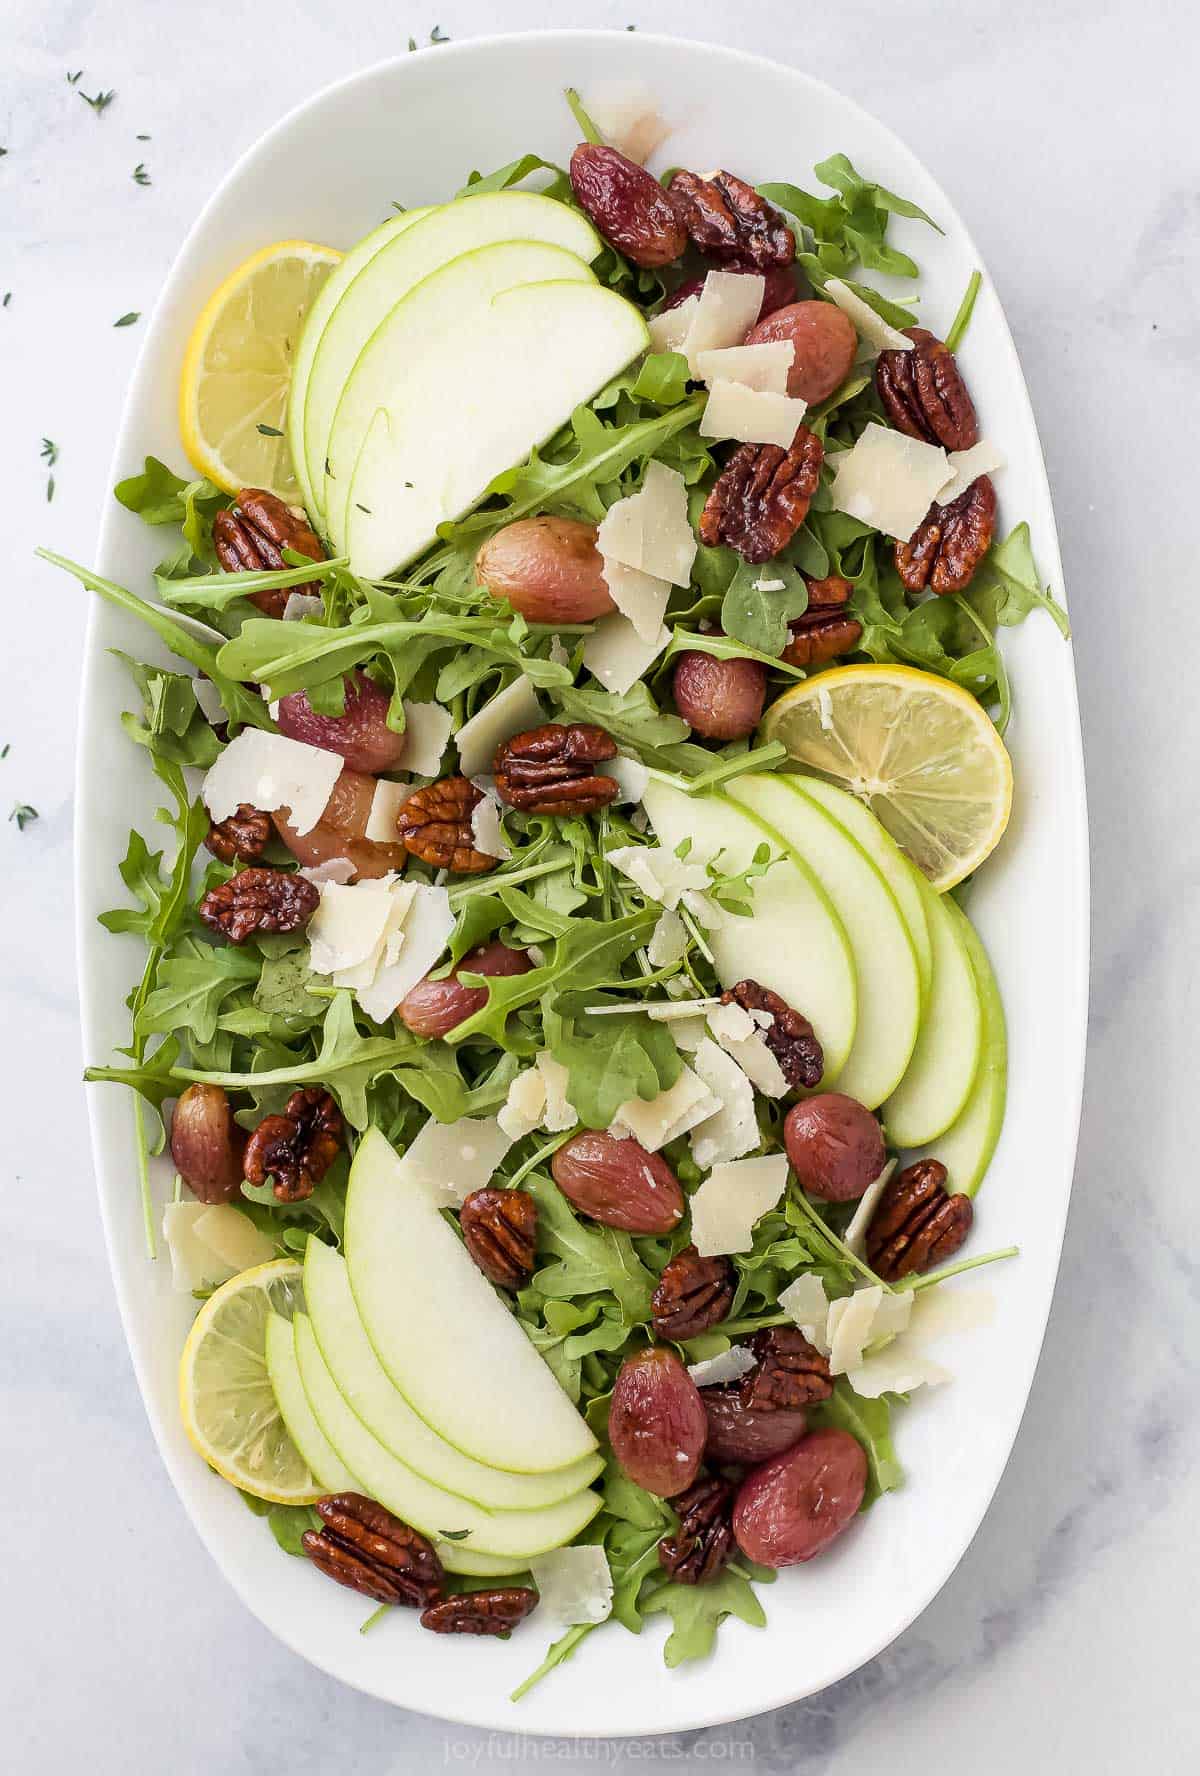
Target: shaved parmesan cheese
column 349, row 924
column 873, row 327
column 732, row 1129
column 688, row 1033
column 270, row 771
column 629, row 774
column 727, row 309
column 452, row 1159
column 659, row 874
column 739, row 1036
column 649, row 529
column 889, row 480
column 968, row 465
column 486, row 836
column 559, row 1112
column 668, row 941
column 208, row 698
column 302, row 604
column 524, row 1106
column 334, row 869
column 732, row 1198
column 862, row 1319
column 385, row 805
column 855, row 1235
column 626, row 114
column 232, row 1235
column 896, row 1369
column 764, row 367
column 669, row 329
column 641, row 597
column 193, row 1263
column 426, row 930
column 655, row 1121
column 728, row 1365
column 426, row 731
column 804, row 1301
column 510, row 712
column 751, row 416
column 574, row 1584
column 616, row 654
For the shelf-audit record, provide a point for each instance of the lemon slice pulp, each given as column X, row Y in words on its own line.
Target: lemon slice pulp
column 237, row 368
column 225, row 1394
column 918, row 750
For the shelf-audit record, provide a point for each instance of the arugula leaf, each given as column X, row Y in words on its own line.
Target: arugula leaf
column 633, row 718
column 172, row 724
column 760, row 603
column 160, row 497
column 1007, row 586
column 288, row 1523
column 698, row 1611
column 588, row 952
column 283, row 988
column 869, row 1421
column 192, row 988
column 608, row 1059
column 588, row 1259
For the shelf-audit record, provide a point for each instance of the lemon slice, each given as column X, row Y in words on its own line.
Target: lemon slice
column 918, row 750
column 225, row 1393
column 238, row 365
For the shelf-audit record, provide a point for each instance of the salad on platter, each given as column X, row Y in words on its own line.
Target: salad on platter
column 558, row 999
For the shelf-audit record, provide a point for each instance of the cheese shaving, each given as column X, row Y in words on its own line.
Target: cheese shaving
column 732, row 1129
column 269, row 771
column 486, row 836
column 641, row 597
column 626, row 114
column 728, row 307
column 874, row 329
column 728, row 1365
column 751, row 416
column 574, row 1584
column 968, row 465
column 616, row 654
column 650, row 529
column 763, row 367
column 657, row 1120
column 889, row 480
column 426, row 731
column 451, row 1159
column 732, row 1198
column 509, row 712
column 669, row 329
column 386, row 803
column 659, row 874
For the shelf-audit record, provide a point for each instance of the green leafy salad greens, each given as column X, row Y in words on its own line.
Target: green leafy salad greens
column 257, row 1020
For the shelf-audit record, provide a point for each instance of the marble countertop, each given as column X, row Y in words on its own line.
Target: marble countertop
column 1067, row 1637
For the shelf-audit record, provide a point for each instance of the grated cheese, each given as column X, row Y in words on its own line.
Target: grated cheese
column 270, row 771
column 732, row 1198
column 889, row 480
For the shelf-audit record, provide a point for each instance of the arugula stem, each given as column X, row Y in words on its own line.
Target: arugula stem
column 697, row 937
column 962, row 319
column 535, row 1159
column 826, row 1232
column 143, row 1167
column 223, row 588
column 562, row 1649
column 494, row 883
column 912, row 1284
column 587, row 128
column 375, row 1616
column 756, row 759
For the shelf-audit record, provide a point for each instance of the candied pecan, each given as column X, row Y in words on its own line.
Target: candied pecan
column 480, row 1612
column 791, row 1372
column 693, row 1294
column 259, row 900
column 253, row 534
column 435, row 825
column 825, row 630
column 366, row 1548
column 916, row 1223
column 699, row 1548
column 728, row 220
column 499, row 1229
column 789, row 1036
column 627, row 204
column 762, row 495
column 297, row 1148
column 548, row 770
column 243, row 834
column 950, row 541
column 923, row 393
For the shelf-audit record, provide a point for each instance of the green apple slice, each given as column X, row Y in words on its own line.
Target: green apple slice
column 944, row 1062
column 458, row 1559
column 431, row 1509
column 967, row 1146
column 368, row 1390
column 794, row 942
column 885, row 854
column 419, row 350
column 885, row 962
column 324, row 1463
column 387, row 277
column 473, row 404
column 315, row 322
column 442, row 1333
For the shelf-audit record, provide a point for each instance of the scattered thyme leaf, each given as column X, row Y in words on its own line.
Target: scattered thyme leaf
column 269, row 431
column 140, row 175
column 73, row 79
column 49, row 452
column 49, row 489
column 22, row 813
column 144, row 138
column 7, row 748
column 437, row 35
column 127, row 320
column 99, row 101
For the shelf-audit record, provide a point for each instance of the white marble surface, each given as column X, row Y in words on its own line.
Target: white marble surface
column 1067, row 1638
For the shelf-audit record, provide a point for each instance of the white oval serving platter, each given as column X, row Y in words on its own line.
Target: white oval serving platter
column 411, row 129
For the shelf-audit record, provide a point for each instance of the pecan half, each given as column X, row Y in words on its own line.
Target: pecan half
column 435, row 825
column 789, row 1036
column 825, row 630
column 259, row 900
column 916, row 1223
column 762, row 495
column 297, row 1148
column 728, row 220
column 693, row 1294
column 950, row 541
column 253, row 534
column 627, row 204
column 699, row 1548
column 923, row 393
column 366, row 1548
column 499, row 1229
column 244, row 834
column 791, row 1372
column 480, row 1612
column 548, row 770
